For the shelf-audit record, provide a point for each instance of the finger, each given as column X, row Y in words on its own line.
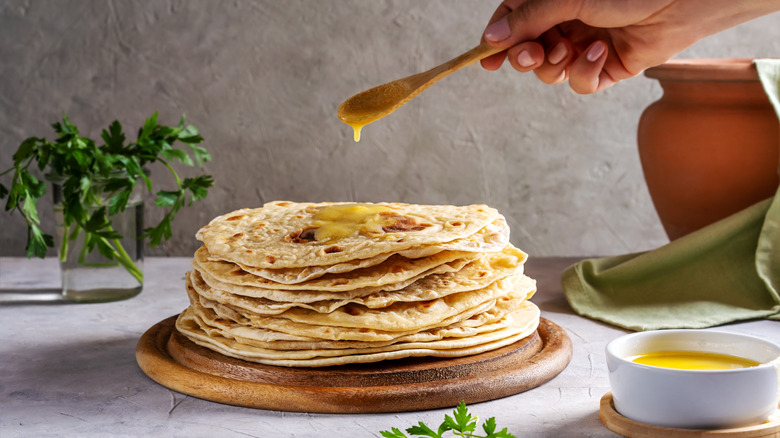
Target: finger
column 587, row 74
column 555, row 69
column 526, row 20
column 494, row 62
column 526, row 56
column 558, row 58
column 503, row 10
column 550, row 37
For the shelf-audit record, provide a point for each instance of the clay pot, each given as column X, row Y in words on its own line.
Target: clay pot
column 710, row 146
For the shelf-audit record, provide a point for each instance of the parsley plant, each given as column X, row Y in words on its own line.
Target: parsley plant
column 461, row 423
column 97, row 182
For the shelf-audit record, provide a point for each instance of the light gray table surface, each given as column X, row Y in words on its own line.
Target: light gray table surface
column 70, row 370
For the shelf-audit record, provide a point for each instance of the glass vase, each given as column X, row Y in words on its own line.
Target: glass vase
column 89, row 276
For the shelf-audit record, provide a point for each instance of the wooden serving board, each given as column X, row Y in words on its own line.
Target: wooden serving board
column 635, row 429
column 172, row 360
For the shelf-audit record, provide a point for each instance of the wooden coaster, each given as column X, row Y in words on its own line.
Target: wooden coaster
column 634, row 429
column 175, row 362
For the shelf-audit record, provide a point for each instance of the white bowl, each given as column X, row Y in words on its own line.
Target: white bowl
column 694, row 398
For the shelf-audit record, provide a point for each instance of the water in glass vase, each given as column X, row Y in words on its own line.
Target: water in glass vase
column 92, row 277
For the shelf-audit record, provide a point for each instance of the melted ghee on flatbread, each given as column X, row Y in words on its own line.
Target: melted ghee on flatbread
column 340, row 221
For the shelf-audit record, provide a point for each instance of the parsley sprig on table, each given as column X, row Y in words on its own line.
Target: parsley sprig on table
column 97, row 182
column 461, row 423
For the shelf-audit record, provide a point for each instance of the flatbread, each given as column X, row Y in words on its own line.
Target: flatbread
column 457, row 276
column 379, row 300
column 278, row 235
column 398, row 316
column 498, row 316
column 394, row 270
column 324, row 284
column 525, row 322
column 311, row 329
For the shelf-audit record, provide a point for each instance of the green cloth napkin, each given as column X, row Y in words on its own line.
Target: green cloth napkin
column 728, row 271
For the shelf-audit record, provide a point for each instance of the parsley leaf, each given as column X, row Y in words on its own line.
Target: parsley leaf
column 461, row 423
column 423, row 430
column 393, row 433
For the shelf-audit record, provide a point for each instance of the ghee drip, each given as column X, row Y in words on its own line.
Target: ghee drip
column 693, row 360
column 356, row 129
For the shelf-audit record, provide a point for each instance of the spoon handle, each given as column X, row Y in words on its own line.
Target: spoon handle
column 427, row 78
column 477, row 53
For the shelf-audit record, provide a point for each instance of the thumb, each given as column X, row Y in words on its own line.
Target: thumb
column 516, row 21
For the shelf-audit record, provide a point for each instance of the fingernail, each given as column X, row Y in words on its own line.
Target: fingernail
column 557, row 54
column 595, row 51
column 498, row 31
column 524, row 59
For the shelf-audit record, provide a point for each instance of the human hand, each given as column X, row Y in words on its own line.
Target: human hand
column 594, row 44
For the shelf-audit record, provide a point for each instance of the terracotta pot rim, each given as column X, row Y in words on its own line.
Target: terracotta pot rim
column 706, row 69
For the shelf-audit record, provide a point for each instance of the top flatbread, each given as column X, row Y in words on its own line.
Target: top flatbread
column 280, row 234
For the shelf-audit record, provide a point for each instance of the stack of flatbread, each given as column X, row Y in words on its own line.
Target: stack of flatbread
column 310, row 285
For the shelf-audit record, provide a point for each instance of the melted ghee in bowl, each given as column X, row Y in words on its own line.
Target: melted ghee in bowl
column 693, row 360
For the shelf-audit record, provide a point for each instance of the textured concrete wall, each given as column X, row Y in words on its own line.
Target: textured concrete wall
column 262, row 80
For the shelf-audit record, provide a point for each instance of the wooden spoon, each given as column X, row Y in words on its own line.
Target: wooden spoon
column 375, row 103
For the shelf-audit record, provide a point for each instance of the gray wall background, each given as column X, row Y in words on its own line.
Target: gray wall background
column 262, row 80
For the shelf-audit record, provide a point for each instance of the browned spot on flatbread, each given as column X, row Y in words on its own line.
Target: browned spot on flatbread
column 304, row 235
column 236, row 217
column 270, row 259
column 402, row 223
column 333, row 249
column 239, row 272
column 424, row 305
column 237, row 235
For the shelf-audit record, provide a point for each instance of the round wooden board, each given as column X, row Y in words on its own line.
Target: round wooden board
column 634, row 429
column 175, row 362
